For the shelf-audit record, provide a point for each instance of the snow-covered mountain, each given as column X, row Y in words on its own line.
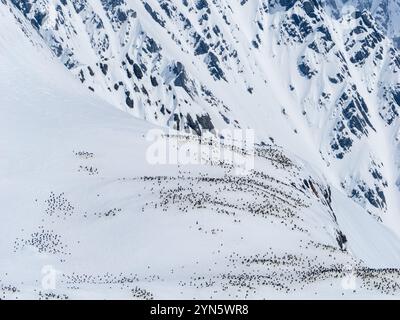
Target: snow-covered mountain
column 320, row 91
column 385, row 12
column 284, row 68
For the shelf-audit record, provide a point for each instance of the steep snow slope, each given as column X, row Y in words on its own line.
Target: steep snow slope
column 79, row 196
column 386, row 13
column 326, row 89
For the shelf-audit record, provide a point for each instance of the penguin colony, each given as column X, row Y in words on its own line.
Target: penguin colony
column 279, row 198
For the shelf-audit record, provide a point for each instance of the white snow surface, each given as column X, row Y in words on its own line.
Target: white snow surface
column 77, row 193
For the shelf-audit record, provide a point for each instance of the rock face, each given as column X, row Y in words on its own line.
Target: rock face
column 385, row 12
column 306, row 70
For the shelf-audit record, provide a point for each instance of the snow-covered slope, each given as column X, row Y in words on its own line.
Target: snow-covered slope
column 285, row 69
column 78, row 194
column 385, row 12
